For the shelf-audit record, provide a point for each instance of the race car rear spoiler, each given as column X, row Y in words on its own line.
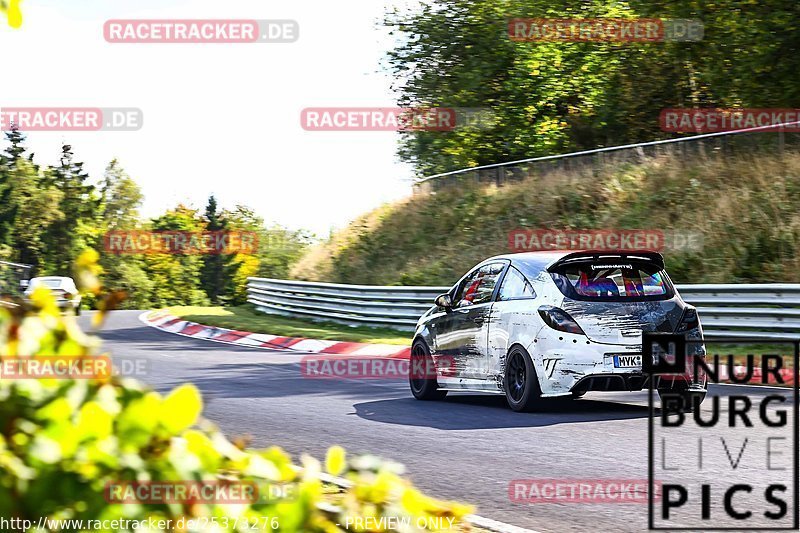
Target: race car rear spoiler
column 653, row 258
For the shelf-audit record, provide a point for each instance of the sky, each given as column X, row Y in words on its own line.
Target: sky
column 220, row 119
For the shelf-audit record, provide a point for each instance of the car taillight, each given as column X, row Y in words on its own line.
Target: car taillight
column 689, row 320
column 559, row 319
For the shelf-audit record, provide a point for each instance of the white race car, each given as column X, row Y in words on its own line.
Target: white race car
column 548, row 324
column 63, row 288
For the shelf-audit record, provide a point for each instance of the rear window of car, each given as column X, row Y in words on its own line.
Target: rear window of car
column 613, row 281
column 49, row 283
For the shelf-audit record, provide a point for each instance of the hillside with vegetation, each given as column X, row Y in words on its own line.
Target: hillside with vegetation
column 747, row 209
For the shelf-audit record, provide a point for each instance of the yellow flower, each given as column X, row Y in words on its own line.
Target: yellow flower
column 14, row 14
column 88, row 259
column 336, row 461
column 43, row 299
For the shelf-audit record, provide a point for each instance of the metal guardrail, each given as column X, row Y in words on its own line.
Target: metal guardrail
column 10, row 276
column 355, row 305
column 773, row 139
column 762, row 311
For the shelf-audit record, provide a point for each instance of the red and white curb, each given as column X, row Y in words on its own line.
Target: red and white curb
column 165, row 321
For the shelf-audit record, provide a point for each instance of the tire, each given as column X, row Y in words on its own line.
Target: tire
column 520, row 382
column 687, row 397
column 423, row 387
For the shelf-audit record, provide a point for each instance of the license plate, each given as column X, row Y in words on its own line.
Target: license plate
column 627, row 361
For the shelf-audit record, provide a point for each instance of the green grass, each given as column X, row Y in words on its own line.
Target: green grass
column 246, row 318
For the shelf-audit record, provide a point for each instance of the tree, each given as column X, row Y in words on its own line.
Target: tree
column 28, row 205
column 120, row 198
column 213, row 274
column 8, row 162
column 79, row 204
column 176, row 277
column 278, row 247
column 17, row 149
column 33, row 206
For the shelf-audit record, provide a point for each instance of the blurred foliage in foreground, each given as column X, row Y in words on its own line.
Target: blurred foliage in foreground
column 747, row 209
column 61, row 441
column 10, row 9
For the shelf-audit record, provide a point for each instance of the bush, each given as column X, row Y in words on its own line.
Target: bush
column 64, row 440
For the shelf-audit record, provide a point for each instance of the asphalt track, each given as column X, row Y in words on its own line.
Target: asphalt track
column 469, row 447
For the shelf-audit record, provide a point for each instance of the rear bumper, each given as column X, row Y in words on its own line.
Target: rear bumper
column 62, row 304
column 611, row 382
column 631, row 382
column 569, row 363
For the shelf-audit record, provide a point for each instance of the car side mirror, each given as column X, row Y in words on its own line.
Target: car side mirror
column 445, row 301
column 23, row 284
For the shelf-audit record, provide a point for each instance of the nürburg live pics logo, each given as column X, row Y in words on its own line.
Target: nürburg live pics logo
column 730, row 462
